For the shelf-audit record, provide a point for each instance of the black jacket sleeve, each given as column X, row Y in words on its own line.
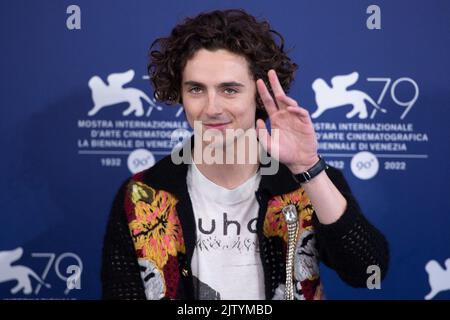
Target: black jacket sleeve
column 120, row 273
column 351, row 244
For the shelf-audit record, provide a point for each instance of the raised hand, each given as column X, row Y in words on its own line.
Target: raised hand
column 296, row 143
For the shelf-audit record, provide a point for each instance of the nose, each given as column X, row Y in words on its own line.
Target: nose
column 213, row 107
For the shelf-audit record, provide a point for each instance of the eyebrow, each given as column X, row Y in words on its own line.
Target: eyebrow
column 221, row 85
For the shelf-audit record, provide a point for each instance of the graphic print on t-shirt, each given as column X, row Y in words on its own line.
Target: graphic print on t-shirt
column 226, row 262
column 226, row 234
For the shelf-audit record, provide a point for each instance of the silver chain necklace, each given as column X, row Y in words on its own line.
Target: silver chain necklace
column 290, row 216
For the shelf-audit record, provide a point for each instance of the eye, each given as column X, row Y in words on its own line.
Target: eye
column 230, row 91
column 195, row 90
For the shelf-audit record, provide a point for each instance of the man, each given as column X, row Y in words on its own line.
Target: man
column 225, row 229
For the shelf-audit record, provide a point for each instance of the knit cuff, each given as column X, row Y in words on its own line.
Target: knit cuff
column 343, row 225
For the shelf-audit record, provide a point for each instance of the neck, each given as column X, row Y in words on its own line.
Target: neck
column 234, row 165
column 228, row 175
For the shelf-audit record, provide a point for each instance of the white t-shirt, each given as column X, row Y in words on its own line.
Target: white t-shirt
column 226, row 263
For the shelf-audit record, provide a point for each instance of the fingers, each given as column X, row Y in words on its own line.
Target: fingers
column 263, row 135
column 281, row 98
column 288, row 101
column 275, row 84
column 298, row 110
column 301, row 112
column 266, row 98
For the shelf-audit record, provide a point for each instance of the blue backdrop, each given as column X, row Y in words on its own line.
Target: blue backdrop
column 61, row 166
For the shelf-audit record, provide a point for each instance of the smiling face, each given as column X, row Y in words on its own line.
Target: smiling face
column 218, row 89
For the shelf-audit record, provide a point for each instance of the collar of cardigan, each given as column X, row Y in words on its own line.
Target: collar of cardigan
column 171, row 177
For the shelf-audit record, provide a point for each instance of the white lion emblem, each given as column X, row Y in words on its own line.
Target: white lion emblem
column 338, row 96
column 104, row 95
column 21, row 274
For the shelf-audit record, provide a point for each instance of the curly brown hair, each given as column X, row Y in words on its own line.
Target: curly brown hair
column 234, row 30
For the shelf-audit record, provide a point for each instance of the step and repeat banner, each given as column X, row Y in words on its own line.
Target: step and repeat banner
column 78, row 117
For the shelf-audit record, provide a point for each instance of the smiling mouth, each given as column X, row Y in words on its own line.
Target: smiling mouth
column 216, row 125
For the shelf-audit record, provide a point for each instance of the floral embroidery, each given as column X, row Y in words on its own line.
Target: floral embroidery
column 153, row 279
column 141, row 192
column 274, row 224
column 157, row 235
column 156, row 229
column 306, row 264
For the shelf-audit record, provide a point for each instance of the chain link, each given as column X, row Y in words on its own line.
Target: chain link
column 290, row 215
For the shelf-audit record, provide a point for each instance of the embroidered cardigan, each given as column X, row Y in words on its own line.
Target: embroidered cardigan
column 151, row 236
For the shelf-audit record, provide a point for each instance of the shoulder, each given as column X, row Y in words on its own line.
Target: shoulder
column 163, row 177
